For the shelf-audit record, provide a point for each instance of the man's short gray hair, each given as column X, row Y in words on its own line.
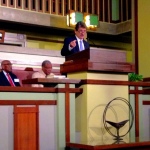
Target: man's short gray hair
column 45, row 62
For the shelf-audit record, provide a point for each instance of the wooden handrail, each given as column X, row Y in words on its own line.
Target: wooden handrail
column 39, row 90
column 114, row 82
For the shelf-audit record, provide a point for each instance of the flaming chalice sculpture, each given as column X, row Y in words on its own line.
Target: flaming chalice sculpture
column 118, row 125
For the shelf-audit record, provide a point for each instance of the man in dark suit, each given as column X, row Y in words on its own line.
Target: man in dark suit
column 7, row 78
column 75, row 43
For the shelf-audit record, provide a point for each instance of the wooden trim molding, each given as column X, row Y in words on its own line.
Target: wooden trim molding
column 136, row 113
column 28, row 102
column 39, row 90
column 136, row 92
column 146, row 102
column 113, row 82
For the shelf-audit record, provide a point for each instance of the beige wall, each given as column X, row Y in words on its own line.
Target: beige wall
column 144, row 37
column 57, row 46
column 44, row 45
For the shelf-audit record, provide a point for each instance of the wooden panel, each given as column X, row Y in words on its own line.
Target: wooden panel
column 111, row 67
column 101, row 10
column 84, row 6
column 60, row 7
column 18, row 3
column 71, row 67
column 78, row 6
column 72, row 5
column 83, row 65
column 106, row 11
column 40, row 5
column 97, row 59
column 122, row 145
column 47, row 6
column 4, row 2
column 11, row 3
column 33, row 5
column 146, row 102
column 26, row 4
column 53, row 6
column 147, row 79
column 100, row 55
column 26, row 128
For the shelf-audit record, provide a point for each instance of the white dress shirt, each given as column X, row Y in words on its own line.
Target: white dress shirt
column 78, row 40
column 39, row 74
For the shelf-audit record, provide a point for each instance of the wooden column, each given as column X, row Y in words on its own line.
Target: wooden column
column 67, row 113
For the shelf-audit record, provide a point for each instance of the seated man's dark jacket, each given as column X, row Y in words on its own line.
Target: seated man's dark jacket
column 5, row 82
column 65, row 50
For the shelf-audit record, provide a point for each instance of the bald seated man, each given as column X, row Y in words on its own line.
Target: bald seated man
column 45, row 72
column 7, row 78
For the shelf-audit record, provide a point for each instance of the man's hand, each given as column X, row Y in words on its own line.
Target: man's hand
column 73, row 44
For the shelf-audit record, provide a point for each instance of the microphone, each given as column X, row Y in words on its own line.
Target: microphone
column 90, row 41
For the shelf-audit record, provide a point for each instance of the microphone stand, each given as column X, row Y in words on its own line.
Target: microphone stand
column 90, row 41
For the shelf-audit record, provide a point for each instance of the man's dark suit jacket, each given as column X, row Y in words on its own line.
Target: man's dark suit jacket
column 5, row 82
column 65, row 50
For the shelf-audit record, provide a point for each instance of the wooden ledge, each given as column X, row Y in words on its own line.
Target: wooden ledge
column 28, row 102
column 40, row 90
column 114, row 82
column 50, row 81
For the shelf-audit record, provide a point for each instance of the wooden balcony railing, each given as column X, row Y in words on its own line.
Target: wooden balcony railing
column 112, row 11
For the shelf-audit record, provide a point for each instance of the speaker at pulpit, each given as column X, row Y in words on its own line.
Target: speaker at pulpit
column 96, row 67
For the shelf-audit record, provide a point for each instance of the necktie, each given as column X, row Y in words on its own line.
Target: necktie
column 81, row 45
column 10, row 80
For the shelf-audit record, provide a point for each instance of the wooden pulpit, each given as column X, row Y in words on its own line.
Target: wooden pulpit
column 96, row 59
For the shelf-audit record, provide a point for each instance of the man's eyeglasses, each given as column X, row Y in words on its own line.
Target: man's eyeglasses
column 82, row 31
column 7, row 64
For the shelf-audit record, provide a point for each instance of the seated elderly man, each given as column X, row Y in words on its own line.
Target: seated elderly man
column 7, row 78
column 45, row 72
